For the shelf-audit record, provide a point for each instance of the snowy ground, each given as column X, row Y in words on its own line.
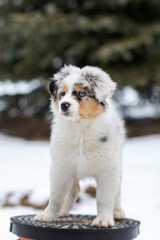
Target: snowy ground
column 23, row 163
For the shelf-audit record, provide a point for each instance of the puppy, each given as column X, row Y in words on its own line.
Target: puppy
column 86, row 141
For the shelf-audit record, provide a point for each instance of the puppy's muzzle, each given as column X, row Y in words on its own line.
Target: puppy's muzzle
column 65, row 106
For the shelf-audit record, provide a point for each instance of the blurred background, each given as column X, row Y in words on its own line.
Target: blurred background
column 39, row 37
column 36, row 39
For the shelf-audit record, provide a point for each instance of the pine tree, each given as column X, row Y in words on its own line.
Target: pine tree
column 121, row 36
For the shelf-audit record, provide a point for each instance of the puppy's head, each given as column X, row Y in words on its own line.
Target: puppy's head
column 80, row 93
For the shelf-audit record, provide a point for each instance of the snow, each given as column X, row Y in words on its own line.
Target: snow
column 133, row 106
column 24, row 167
column 144, row 110
column 129, row 96
column 21, row 87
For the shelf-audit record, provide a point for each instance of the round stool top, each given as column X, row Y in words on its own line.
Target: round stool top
column 72, row 226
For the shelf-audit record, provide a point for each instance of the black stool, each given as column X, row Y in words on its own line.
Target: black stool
column 72, row 227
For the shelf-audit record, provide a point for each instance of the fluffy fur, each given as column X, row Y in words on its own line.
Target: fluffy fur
column 86, row 141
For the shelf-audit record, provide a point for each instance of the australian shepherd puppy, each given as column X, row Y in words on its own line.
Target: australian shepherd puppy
column 86, row 141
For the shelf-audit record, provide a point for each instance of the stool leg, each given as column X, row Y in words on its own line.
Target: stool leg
column 21, row 238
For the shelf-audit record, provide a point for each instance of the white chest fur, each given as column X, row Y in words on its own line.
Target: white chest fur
column 85, row 147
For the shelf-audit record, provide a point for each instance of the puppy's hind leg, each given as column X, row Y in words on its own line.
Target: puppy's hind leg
column 70, row 198
column 118, row 211
column 106, row 193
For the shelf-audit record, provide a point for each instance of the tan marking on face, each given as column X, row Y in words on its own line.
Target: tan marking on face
column 79, row 89
column 65, row 89
column 56, row 104
column 89, row 108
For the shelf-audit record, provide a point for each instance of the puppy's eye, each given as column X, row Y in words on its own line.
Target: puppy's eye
column 81, row 94
column 63, row 93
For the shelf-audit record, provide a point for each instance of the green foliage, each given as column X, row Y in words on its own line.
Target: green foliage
column 122, row 36
column 38, row 37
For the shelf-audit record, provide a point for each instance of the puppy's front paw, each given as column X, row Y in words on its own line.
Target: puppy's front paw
column 103, row 222
column 119, row 214
column 46, row 217
column 63, row 214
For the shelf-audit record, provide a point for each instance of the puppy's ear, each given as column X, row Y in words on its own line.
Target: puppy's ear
column 52, row 87
column 57, row 79
column 101, row 83
column 64, row 72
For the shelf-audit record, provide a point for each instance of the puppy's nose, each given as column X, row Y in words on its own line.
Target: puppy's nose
column 65, row 106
